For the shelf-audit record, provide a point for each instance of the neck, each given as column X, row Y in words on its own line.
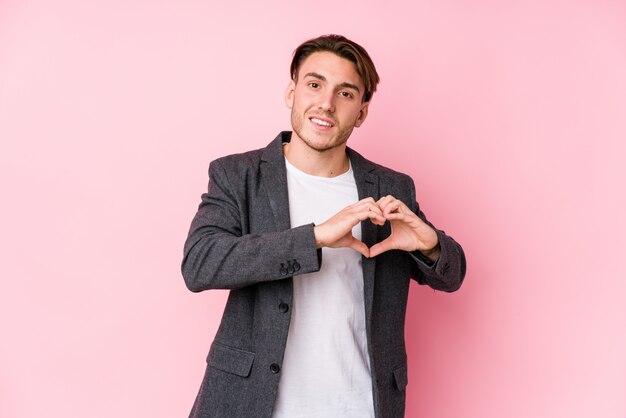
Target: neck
column 328, row 163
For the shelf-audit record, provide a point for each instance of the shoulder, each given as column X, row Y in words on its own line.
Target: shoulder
column 366, row 165
column 240, row 160
column 394, row 175
column 389, row 181
column 245, row 161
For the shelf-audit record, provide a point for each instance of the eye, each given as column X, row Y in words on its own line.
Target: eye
column 346, row 94
column 314, row 85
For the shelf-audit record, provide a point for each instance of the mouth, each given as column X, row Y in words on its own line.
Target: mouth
column 321, row 122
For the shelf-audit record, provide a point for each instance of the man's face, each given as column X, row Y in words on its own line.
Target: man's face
column 326, row 101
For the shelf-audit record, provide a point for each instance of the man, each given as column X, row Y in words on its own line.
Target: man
column 317, row 246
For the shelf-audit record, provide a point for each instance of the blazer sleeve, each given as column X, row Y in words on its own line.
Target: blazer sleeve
column 448, row 272
column 220, row 253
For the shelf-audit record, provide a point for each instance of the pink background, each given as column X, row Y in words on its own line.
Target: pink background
column 510, row 117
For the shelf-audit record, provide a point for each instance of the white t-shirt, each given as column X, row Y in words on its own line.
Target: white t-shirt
column 326, row 370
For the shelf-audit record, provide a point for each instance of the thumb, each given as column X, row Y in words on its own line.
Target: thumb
column 380, row 248
column 360, row 247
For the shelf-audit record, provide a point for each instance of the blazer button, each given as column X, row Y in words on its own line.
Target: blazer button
column 274, row 368
column 283, row 269
column 296, row 265
column 283, row 307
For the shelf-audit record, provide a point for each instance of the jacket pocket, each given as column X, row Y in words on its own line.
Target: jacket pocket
column 230, row 360
column 401, row 378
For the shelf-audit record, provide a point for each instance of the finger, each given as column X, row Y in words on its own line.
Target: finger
column 403, row 217
column 370, row 205
column 384, row 201
column 378, row 221
column 389, row 204
column 374, row 215
column 381, row 247
column 360, row 205
column 410, row 219
column 391, row 207
column 396, row 206
column 360, row 247
column 366, row 200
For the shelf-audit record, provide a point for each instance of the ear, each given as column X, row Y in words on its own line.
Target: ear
column 289, row 94
column 362, row 114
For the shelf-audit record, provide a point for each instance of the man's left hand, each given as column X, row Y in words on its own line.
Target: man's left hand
column 408, row 231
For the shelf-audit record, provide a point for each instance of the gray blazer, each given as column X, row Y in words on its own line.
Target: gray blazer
column 241, row 239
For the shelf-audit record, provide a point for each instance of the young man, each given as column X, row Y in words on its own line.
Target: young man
column 317, row 246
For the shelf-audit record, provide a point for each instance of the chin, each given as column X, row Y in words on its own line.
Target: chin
column 323, row 146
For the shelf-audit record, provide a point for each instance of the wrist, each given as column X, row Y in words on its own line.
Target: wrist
column 432, row 254
column 316, row 233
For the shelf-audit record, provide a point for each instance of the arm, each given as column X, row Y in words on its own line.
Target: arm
column 219, row 252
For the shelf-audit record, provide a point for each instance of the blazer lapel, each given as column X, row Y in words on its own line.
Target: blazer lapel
column 367, row 184
column 274, row 180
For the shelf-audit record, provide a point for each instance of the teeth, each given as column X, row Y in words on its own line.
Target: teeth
column 321, row 122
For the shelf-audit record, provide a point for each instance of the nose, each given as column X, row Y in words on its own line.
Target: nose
column 327, row 101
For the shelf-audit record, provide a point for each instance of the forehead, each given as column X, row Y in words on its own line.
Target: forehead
column 334, row 68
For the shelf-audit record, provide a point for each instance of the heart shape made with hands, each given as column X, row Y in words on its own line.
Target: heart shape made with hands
column 408, row 231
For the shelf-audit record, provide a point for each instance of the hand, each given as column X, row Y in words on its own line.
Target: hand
column 336, row 232
column 408, row 231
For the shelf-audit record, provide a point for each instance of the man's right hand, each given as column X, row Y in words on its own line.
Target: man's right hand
column 336, row 232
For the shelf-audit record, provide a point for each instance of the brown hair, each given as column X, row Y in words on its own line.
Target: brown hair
column 344, row 48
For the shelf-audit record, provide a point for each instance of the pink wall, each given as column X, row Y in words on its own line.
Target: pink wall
column 511, row 118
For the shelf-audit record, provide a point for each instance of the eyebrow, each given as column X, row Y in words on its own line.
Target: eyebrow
column 344, row 84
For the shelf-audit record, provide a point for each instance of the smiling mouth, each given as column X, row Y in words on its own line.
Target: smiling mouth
column 321, row 122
